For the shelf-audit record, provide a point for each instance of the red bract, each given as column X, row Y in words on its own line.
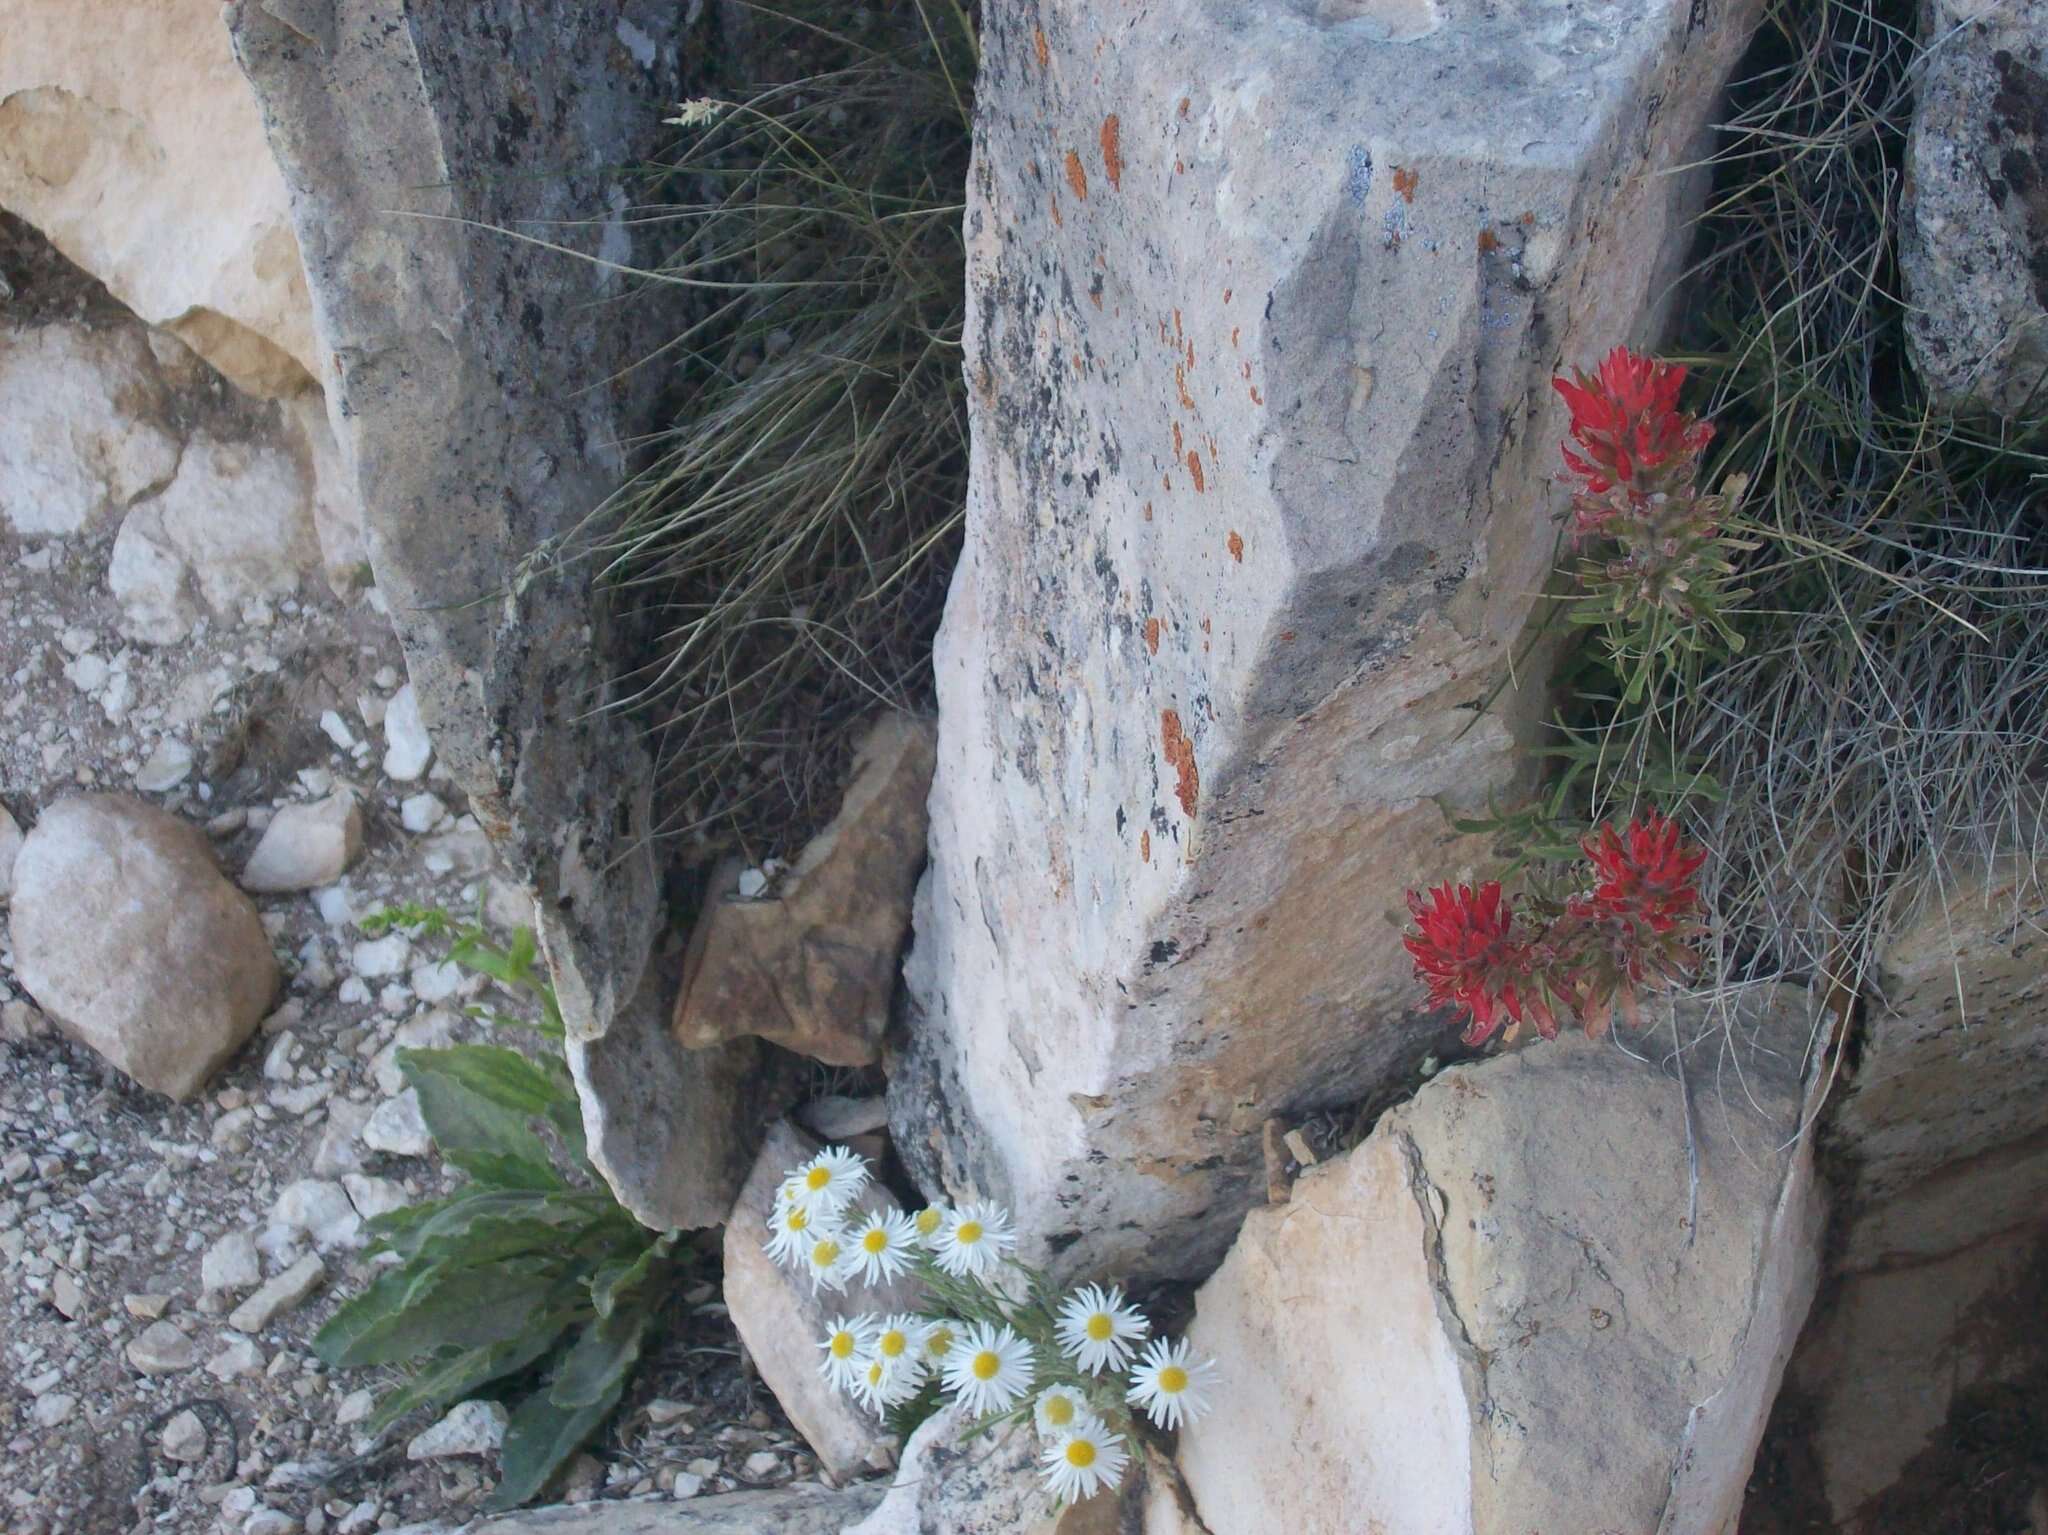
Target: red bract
column 1626, row 421
column 1643, row 876
column 1469, row 955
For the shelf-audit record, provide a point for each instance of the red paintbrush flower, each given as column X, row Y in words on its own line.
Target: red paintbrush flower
column 1643, row 875
column 1626, row 422
column 1469, row 954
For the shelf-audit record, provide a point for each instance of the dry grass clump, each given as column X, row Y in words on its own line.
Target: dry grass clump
column 787, row 547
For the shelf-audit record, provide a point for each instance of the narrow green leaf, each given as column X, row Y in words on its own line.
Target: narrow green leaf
column 446, row 1380
column 615, row 1281
column 540, row 1437
column 601, row 1358
column 484, row 1138
column 501, row 1076
column 441, row 1308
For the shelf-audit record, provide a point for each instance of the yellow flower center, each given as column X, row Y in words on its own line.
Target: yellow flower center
column 796, row 1220
column 817, row 1178
column 1059, row 1412
column 986, row 1364
column 1173, row 1380
column 842, row 1345
column 1080, row 1454
column 892, row 1343
column 927, row 1220
column 967, row 1233
column 875, row 1241
column 1100, row 1327
column 938, row 1341
column 825, row 1254
column 875, row 1373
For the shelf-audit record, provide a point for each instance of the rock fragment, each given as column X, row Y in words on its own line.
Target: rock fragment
column 306, row 846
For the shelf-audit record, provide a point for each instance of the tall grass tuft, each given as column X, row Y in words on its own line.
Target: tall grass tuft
column 788, row 545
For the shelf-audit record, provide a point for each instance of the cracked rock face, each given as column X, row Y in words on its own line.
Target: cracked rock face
column 1258, row 345
column 1518, row 1322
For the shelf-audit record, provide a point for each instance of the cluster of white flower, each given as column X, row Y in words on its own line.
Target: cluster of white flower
column 1001, row 1357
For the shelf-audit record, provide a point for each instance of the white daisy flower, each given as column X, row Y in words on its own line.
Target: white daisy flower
column 936, row 1342
column 881, row 1385
column 829, row 1182
column 792, row 1228
column 1083, row 1461
column 828, row 1262
column 1168, row 1384
column 847, row 1343
column 928, row 1222
column 973, row 1240
column 990, row 1368
column 881, row 1246
column 1057, row 1410
column 898, row 1342
column 1098, row 1331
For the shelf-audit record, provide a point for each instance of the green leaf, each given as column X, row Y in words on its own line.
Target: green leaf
column 404, row 1314
column 444, row 1381
column 504, row 1077
column 484, row 1138
column 616, row 1280
column 540, row 1437
column 601, row 1358
column 402, row 1231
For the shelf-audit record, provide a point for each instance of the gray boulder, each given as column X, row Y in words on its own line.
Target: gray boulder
column 1973, row 241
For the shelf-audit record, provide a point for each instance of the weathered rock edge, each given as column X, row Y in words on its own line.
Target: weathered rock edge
column 480, row 401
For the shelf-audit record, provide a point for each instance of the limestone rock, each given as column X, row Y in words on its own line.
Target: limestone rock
column 10, row 849
column 474, row 445
column 795, row 1510
column 162, row 1349
column 407, row 748
column 1974, row 228
column 1262, row 490
column 82, row 425
column 306, row 846
column 397, row 1126
column 235, row 525
column 991, row 1487
column 127, row 138
column 814, row 967
column 320, row 1209
column 278, row 1294
column 1939, row 1137
column 474, row 1427
column 126, row 934
column 780, row 1320
column 1495, row 1316
column 231, row 1265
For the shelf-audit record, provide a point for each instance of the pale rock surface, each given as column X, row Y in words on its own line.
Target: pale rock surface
column 278, row 1294
column 130, row 140
column 471, row 445
column 162, row 1348
column 1940, row 1139
column 813, row 969
column 339, row 1150
column 992, row 1486
column 407, row 748
column 1493, row 1316
column 231, row 1264
column 82, row 425
column 373, row 1196
column 320, row 1209
column 396, row 1126
column 238, row 1356
column 127, row 935
column 780, row 1319
column 305, row 846
column 474, row 1427
column 1263, row 488
column 794, row 1510
column 235, row 525
column 10, row 849
column 1974, row 231
column 184, row 1437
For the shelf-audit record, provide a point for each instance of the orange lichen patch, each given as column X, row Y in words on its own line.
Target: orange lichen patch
column 1233, row 341
column 1112, row 152
column 1185, row 103
column 1057, row 221
column 1226, row 299
column 1191, row 355
column 1205, row 627
column 1247, row 370
column 1176, row 325
column 1235, row 544
column 1180, row 166
column 1180, row 382
column 1527, row 220
column 1040, row 47
column 1148, row 511
column 1195, row 470
column 1180, row 756
column 1253, row 391
column 1167, row 481
column 1489, row 242
column 1095, row 297
column 1080, row 364
column 1287, row 636
column 1405, row 182
column 1145, row 846
column 1077, row 175
column 1152, row 635
column 1178, row 446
